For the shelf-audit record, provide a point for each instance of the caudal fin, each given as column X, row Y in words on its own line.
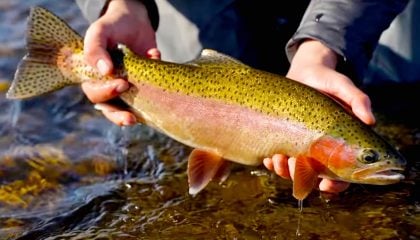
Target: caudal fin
column 38, row 73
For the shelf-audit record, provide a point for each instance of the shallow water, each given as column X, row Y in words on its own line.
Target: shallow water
column 67, row 173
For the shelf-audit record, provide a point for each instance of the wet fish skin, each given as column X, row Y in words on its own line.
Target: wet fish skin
column 224, row 109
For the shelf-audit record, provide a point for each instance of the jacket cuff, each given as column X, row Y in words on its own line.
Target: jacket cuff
column 350, row 28
column 93, row 9
column 153, row 12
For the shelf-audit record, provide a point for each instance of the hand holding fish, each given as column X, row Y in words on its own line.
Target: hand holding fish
column 113, row 27
column 314, row 65
column 285, row 167
column 123, row 22
column 224, row 109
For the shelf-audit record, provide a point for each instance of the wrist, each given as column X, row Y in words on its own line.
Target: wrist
column 145, row 9
column 126, row 6
column 316, row 52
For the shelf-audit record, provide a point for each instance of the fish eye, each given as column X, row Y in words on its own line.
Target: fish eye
column 369, row 156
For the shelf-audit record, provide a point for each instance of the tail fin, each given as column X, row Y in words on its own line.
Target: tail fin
column 38, row 72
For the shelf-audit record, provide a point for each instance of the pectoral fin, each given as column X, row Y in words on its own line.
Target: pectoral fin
column 204, row 166
column 305, row 178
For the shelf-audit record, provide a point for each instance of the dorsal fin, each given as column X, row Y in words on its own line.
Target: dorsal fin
column 212, row 58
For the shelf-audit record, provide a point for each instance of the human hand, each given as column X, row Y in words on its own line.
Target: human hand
column 314, row 65
column 285, row 167
column 126, row 22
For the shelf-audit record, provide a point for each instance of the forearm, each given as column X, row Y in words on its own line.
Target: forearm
column 349, row 28
column 93, row 9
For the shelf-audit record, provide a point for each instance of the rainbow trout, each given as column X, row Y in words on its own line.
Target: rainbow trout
column 225, row 110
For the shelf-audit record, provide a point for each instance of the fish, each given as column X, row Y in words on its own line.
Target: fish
column 226, row 111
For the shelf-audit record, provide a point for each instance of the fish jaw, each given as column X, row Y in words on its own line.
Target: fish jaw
column 382, row 173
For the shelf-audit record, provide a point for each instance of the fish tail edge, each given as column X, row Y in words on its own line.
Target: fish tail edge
column 38, row 72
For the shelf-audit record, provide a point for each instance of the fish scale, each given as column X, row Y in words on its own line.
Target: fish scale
column 225, row 110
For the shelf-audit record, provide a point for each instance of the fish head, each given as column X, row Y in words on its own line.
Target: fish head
column 371, row 161
column 379, row 166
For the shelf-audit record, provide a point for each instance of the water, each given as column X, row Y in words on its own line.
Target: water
column 68, row 173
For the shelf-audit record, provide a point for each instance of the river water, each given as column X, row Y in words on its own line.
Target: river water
column 68, row 173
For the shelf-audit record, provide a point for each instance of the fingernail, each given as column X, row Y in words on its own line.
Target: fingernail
column 372, row 116
column 122, row 88
column 102, row 67
column 99, row 107
column 129, row 121
column 153, row 53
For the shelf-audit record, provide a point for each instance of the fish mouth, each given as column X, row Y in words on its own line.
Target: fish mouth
column 379, row 175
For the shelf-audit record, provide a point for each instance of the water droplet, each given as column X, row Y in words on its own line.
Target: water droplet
column 300, row 208
column 318, row 17
column 15, row 112
column 300, row 205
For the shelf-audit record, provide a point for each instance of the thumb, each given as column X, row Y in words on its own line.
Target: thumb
column 342, row 88
column 95, row 48
column 361, row 107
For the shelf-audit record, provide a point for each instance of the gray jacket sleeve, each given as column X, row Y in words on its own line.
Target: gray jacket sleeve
column 350, row 28
column 93, row 9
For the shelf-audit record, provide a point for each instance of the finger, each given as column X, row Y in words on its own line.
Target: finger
column 280, row 165
column 343, row 88
column 361, row 107
column 331, row 186
column 153, row 53
column 268, row 163
column 101, row 91
column 115, row 115
column 95, row 48
column 144, row 43
column 291, row 162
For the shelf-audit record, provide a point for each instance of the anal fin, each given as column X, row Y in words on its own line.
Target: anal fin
column 203, row 167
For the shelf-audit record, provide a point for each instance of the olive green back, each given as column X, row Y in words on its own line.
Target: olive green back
column 219, row 77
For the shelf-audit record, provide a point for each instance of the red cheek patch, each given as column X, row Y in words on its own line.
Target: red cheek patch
column 332, row 153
